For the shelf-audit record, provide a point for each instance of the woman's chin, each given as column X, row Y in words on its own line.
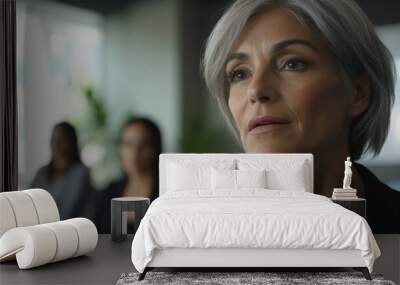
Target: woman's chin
column 266, row 148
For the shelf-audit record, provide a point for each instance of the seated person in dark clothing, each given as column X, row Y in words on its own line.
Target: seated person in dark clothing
column 65, row 177
column 310, row 86
column 140, row 146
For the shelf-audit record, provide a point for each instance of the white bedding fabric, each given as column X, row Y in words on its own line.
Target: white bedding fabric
column 251, row 218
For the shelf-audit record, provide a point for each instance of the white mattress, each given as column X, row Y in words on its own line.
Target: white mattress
column 254, row 218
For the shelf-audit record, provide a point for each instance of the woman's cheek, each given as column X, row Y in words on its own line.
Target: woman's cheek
column 237, row 106
column 319, row 113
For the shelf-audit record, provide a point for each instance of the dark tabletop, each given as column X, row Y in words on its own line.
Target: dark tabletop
column 110, row 259
column 102, row 266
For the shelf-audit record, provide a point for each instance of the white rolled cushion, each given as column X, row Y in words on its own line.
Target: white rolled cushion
column 223, row 179
column 40, row 244
column 26, row 208
column 45, row 205
column 67, row 240
column 33, row 246
column 7, row 218
column 23, row 208
column 251, row 178
column 87, row 235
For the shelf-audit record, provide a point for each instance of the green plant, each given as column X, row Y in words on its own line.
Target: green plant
column 97, row 107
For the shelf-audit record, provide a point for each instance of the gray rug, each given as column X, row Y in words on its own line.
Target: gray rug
column 230, row 278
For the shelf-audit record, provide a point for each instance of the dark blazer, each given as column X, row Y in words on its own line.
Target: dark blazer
column 383, row 203
column 69, row 191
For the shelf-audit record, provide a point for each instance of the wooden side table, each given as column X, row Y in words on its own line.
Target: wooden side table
column 119, row 215
column 357, row 205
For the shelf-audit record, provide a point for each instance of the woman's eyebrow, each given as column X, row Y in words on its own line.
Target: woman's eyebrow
column 275, row 48
column 281, row 45
column 238, row 56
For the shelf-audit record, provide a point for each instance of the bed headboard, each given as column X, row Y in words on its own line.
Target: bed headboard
column 289, row 157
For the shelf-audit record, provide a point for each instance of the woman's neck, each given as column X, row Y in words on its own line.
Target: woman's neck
column 60, row 166
column 139, row 184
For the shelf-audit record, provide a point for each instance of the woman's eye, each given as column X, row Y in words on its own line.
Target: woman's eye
column 295, row 64
column 237, row 75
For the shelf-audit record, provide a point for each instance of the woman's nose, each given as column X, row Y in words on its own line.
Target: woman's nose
column 261, row 90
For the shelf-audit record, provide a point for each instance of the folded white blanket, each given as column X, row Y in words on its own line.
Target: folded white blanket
column 40, row 244
column 251, row 218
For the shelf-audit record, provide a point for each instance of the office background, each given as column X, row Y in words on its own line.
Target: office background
column 95, row 63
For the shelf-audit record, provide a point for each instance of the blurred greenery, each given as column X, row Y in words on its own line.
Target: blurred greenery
column 200, row 137
column 97, row 107
column 98, row 141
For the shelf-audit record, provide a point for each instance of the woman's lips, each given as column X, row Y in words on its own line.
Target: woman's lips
column 266, row 123
column 268, row 128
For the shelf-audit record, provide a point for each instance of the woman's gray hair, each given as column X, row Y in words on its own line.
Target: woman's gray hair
column 352, row 41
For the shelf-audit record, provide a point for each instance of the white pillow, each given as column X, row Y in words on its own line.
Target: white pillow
column 223, row 179
column 183, row 178
column 298, row 178
column 187, row 175
column 281, row 174
column 235, row 179
column 251, row 178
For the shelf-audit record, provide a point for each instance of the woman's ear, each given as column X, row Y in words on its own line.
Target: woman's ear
column 361, row 94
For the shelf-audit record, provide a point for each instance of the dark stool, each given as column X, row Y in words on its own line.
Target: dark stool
column 119, row 215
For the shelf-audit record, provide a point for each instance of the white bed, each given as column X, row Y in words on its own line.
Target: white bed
column 280, row 225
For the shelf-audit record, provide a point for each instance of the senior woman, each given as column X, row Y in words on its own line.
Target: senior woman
column 307, row 76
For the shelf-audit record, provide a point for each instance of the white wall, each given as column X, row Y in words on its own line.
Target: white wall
column 59, row 48
column 131, row 58
column 143, row 65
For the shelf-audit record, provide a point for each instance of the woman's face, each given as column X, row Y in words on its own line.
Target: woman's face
column 61, row 145
column 285, row 93
column 137, row 149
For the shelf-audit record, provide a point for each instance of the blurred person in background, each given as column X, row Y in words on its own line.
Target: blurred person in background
column 139, row 148
column 65, row 177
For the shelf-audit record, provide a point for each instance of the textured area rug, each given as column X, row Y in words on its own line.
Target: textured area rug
column 229, row 278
